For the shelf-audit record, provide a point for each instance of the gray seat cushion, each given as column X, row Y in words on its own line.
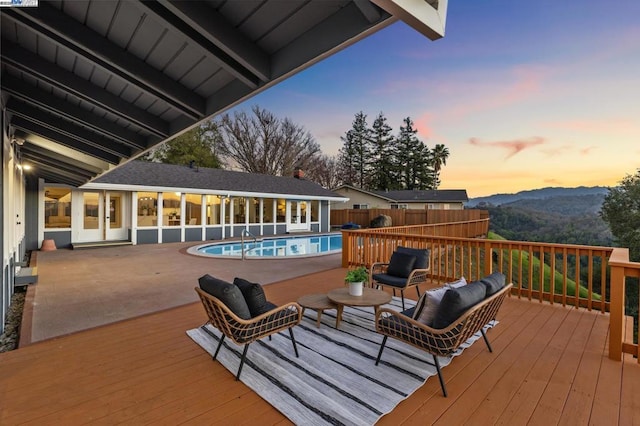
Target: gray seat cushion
column 254, row 296
column 493, row 283
column 456, row 301
column 387, row 279
column 227, row 293
column 422, row 256
column 401, row 264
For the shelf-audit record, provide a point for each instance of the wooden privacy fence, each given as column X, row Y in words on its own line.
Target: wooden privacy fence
column 567, row 274
column 405, row 217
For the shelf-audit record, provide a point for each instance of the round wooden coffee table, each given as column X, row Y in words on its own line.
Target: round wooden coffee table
column 317, row 302
column 370, row 297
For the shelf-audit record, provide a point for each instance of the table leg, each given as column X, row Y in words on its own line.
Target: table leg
column 339, row 315
column 319, row 317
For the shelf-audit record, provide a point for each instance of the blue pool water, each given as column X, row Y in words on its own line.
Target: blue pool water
column 277, row 247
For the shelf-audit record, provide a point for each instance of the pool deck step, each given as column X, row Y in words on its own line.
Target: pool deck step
column 99, row 244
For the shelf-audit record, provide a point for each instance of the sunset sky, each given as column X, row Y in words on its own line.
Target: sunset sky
column 524, row 94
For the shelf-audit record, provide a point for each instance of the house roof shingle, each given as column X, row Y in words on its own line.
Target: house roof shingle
column 426, row 196
column 416, row 196
column 151, row 174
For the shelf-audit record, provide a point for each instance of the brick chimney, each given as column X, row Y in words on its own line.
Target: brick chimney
column 298, row 173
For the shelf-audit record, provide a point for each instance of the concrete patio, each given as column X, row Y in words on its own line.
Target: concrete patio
column 82, row 289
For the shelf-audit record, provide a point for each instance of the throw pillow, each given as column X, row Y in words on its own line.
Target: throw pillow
column 401, row 264
column 457, row 284
column 494, row 283
column 227, row 293
column 422, row 256
column 422, row 302
column 433, row 299
column 456, row 301
column 254, row 296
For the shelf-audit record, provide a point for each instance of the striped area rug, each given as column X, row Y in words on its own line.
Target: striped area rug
column 335, row 380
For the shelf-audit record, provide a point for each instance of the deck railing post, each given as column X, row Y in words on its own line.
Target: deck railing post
column 488, row 258
column 617, row 261
column 346, row 249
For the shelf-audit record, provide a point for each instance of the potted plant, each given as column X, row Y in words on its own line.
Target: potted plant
column 356, row 279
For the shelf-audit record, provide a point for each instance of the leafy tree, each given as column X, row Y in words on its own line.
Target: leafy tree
column 621, row 210
column 199, row 144
column 354, row 157
column 383, row 171
column 324, row 172
column 264, row 143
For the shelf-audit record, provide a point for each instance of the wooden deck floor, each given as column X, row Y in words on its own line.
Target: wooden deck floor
column 549, row 366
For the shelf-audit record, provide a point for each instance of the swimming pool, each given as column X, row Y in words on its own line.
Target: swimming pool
column 276, row 247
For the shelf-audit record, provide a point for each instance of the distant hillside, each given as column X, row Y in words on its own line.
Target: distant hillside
column 524, row 224
column 553, row 215
column 537, row 194
column 566, row 205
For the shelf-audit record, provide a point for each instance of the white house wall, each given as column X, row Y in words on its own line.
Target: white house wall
column 13, row 195
column 357, row 197
column 373, row 202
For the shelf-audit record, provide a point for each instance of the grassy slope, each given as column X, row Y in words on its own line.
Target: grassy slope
column 558, row 277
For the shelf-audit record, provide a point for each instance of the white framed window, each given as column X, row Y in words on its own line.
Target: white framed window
column 399, row 206
column 361, row 206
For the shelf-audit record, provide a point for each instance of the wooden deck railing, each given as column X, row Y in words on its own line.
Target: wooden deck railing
column 571, row 275
column 466, row 229
column 621, row 269
column 406, row 217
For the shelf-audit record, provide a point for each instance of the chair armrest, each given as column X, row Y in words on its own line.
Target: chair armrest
column 271, row 322
column 387, row 312
column 417, row 276
column 441, row 342
column 378, row 268
column 283, row 308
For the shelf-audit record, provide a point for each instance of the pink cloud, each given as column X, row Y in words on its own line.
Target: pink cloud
column 423, row 125
column 513, row 147
column 521, row 84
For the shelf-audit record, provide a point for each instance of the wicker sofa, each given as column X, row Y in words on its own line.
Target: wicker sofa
column 467, row 320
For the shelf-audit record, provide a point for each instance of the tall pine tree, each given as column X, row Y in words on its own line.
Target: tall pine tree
column 412, row 158
column 383, row 172
column 354, row 156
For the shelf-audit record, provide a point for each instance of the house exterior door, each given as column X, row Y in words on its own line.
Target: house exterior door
column 298, row 214
column 114, row 225
column 102, row 217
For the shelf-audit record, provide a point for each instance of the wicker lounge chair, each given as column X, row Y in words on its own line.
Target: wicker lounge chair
column 408, row 267
column 245, row 331
column 440, row 342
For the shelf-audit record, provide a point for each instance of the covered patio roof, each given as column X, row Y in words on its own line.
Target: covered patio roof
column 87, row 86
